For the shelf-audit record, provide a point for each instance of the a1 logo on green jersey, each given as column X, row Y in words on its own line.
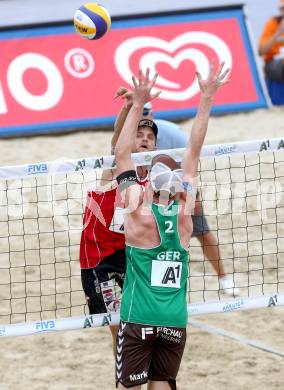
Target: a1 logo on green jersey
column 166, row 274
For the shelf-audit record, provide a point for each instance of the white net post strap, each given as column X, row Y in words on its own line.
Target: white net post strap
column 98, row 320
column 108, row 162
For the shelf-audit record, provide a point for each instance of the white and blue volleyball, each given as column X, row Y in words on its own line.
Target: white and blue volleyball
column 92, row 21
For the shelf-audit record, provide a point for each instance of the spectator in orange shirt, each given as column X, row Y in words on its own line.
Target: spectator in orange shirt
column 271, row 46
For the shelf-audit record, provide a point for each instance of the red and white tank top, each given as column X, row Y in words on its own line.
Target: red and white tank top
column 103, row 227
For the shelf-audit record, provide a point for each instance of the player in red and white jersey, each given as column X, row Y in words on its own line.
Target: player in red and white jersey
column 103, row 226
column 102, row 246
column 101, row 236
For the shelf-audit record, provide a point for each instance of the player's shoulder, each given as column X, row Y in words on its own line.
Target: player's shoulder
column 164, row 125
column 170, row 135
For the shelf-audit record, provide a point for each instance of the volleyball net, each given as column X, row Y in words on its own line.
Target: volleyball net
column 41, row 214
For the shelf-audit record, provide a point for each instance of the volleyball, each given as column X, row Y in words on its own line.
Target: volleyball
column 92, row 21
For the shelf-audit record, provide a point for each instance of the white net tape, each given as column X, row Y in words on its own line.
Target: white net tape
column 41, row 208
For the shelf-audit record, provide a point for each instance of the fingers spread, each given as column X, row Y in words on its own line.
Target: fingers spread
column 134, row 82
column 147, row 74
column 155, row 95
column 220, row 69
column 143, row 86
column 225, row 82
column 154, row 79
column 224, row 74
column 140, row 77
column 198, row 75
column 212, row 68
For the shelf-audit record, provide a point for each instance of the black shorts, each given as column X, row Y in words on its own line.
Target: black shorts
column 146, row 352
column 200, row 225
column 274, row 70
column 100, row 283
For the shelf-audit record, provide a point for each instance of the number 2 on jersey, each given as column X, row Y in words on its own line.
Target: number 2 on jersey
column 169, row 227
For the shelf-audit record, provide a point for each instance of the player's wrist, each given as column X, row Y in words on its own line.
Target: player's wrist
column 127, row 106
column 138, row 105
column 207, row 97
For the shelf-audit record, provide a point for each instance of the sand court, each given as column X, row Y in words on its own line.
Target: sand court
column 42, row 279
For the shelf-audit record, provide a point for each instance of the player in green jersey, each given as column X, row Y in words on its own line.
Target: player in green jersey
column 158, row 227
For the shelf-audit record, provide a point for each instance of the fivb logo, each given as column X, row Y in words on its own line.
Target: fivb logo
column 34, row 169
column 172, row 53
column 45, row 326
column 146, row 331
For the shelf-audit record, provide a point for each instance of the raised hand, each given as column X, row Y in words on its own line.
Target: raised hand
column 142, row 88
column 214, row 81
column 125, row 94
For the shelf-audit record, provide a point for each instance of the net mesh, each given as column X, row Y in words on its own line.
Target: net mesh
column 41, row 224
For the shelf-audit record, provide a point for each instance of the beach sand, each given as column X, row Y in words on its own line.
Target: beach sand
column 83, row 359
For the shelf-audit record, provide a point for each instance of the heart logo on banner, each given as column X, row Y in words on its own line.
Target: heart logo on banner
column 161, row 51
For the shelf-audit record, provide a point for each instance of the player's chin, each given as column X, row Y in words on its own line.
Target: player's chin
column 143, row 149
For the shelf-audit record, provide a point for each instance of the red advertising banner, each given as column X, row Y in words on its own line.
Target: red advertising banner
column 51, row 79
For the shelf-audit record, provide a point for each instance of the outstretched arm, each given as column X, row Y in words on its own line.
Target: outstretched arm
column 125, row 142
column 127, row 95
column 124, row 93
column 208, row 89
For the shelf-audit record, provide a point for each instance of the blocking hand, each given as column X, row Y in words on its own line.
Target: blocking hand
column 143, row 87
column 214, row 81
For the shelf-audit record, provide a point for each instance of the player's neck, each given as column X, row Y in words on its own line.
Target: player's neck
column 162, row 198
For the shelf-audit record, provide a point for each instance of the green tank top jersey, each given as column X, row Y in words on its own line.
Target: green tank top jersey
column 155, row 286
